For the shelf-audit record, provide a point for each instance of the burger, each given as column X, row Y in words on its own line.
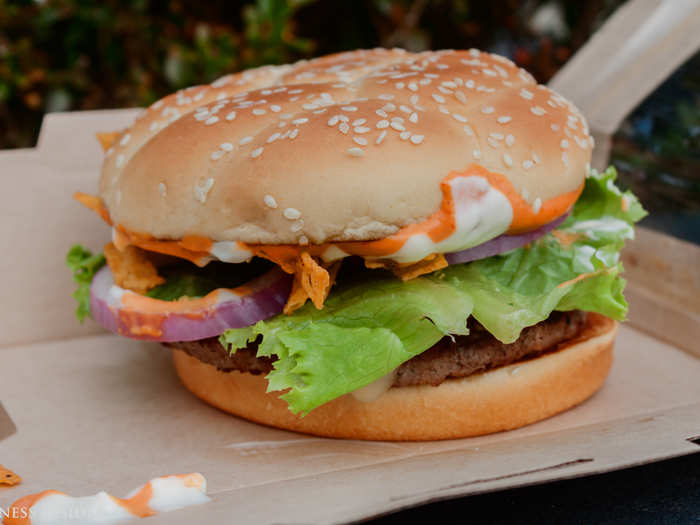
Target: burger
column 371, row 245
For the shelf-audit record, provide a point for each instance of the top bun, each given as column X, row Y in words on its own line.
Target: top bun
column 351, row 146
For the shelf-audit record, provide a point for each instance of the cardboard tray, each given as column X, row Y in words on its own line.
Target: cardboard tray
column 83, row 411
column 95, row 411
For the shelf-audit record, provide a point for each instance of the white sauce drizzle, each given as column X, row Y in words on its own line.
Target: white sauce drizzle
column 169, row 493
column 375, row 389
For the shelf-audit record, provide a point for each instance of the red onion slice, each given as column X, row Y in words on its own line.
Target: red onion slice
column 502, row 243
column 140, row 317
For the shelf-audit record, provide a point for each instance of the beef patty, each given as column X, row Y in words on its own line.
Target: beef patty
column 451, row 357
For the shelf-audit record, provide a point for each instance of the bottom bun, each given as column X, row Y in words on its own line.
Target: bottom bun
column 501, row 399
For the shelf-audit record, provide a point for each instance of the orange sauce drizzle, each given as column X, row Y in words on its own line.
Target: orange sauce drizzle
column 438, row 226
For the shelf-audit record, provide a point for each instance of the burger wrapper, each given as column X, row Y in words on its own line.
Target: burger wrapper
column 95, row 411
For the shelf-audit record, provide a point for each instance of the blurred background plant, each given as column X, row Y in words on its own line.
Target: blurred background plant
column 61, row 55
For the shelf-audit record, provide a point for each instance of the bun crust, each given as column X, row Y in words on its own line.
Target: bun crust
column 501, row 399
column 354, row 144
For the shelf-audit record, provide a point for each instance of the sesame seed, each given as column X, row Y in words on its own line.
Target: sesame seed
column 414, row 99
column 414, row 117
column 444, row 90
column 438, row 98
column 405, row 109
column 291, row 213
column 362, row 129
column 343, row 118
column 564, row 143
column 359, row 122
column 302, row 120
column 537, row 110
column 381, row 113
column 380, row 138
column 510, row 140
column 468, row 130
column 162, row 189
column 489, row 72
column 245, row 140
column 273, row 137
column 125, row 140
column 527, row 164
column 231, row 116
column 507, row 160
column 303, row 240
column 295, row 91
column 349, row 108
column 459, row 118
column 476, row 154
column 565, row 158
column 389, row 107
column 497, row 136
column 309, row 106
column 270, row 201
column 202, row 190
column 537, row 206
column 417, row 139
column 382, row 124
column 555, row 127
column 525, row 194
column 360, row 140
column 294, row 133
column 333, row 120
column 527, row 95
column 344, row 127
column 153, row 126
column 444, row 110
column 505, row 119
column 275, row 108
column 256, row 152
column 356, row 152
column 470, row 84
column 404, row 135
column 400, row 85
column 386, row 96
column 492, row 142
column 413, row 86
column 461, row 97
column 535, row 157
column 211, row 120
column 259, row 111
column 398, row 126
column 120, row 161
column 487, row 109
column 298, row 225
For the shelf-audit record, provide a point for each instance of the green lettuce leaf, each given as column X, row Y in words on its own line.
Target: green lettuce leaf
column 368, row 329
column 84, row 266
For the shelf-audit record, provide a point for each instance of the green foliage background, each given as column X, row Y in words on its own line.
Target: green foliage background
column 58, row 55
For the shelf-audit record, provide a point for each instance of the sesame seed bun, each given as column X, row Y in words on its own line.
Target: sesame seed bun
column 501, row 399
column 351, row 146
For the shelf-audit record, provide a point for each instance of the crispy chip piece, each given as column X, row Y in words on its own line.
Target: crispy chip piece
column 94, row 203
column 566, row 239
column 406, row 272
column 132, row 269
column 107, row 138
column 311, row 281
column 7, row 477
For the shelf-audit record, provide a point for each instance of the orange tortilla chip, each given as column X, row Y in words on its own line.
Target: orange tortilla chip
column 406, row 272
column 7, row 477
column 94, row 203
column 132, row 269
column 311, row 281
column 107, row 138
column 566, row 239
